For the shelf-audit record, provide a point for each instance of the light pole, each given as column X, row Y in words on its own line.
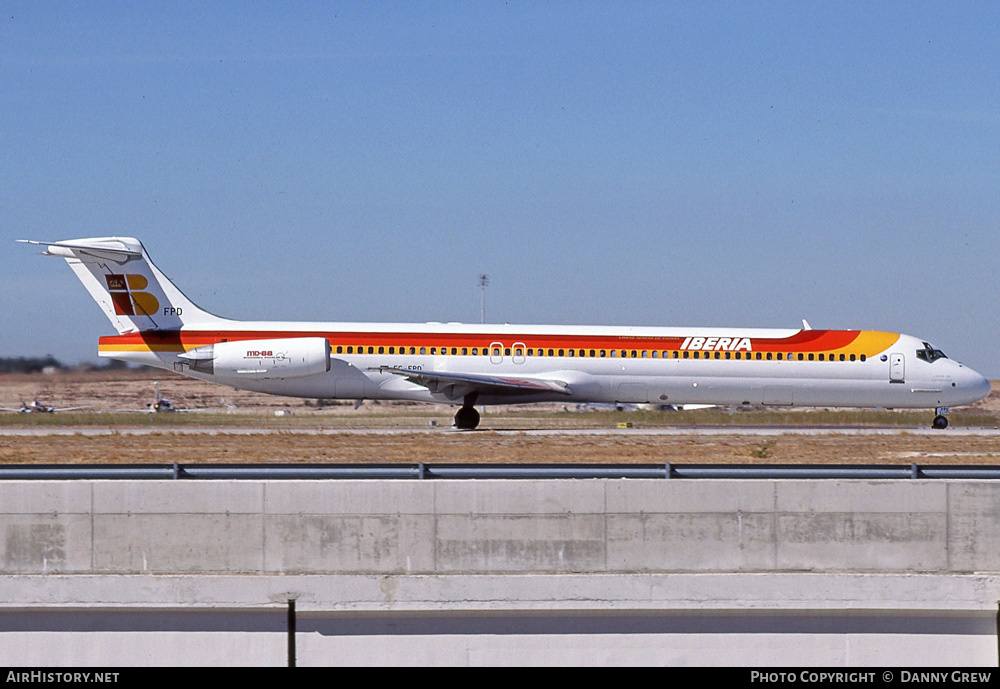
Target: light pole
column 483, row 281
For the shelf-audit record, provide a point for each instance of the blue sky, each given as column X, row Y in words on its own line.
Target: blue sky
column 645, row 163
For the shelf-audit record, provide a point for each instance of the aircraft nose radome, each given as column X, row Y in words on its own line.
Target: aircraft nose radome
column 975, row 386
column 983, row 386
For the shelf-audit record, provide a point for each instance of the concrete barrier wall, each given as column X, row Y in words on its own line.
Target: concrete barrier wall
column 770, row 572
column 476, row 527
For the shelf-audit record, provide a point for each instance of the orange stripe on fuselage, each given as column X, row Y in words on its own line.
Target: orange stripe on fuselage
column 867, row 342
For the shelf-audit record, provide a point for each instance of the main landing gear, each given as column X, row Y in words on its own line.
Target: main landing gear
column 940, row 421
column 467, row 418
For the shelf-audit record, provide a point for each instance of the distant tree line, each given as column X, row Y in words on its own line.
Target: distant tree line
column 37, row 364
column 24, row 364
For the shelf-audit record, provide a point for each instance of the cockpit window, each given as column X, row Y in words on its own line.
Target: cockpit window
column 929, row 354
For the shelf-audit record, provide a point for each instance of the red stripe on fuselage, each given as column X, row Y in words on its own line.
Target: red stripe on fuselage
column 176, row 340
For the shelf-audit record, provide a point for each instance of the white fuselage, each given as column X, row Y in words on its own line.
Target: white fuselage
column 636, row 365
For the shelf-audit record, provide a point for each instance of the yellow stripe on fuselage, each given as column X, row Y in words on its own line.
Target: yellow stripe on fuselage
column 869, row 343
column 141, row 348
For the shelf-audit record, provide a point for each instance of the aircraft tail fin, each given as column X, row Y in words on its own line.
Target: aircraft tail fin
column 131, row 291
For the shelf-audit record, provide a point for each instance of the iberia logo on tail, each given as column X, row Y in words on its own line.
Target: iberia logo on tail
column 127, row 296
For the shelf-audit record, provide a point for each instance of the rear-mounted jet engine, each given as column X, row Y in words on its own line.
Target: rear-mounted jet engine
column 262, row 359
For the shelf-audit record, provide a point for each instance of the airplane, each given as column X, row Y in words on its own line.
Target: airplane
column 159, row 405
column 466, row 365
column 37, row 407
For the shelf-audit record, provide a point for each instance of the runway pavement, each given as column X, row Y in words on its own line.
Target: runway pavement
column 629, row 432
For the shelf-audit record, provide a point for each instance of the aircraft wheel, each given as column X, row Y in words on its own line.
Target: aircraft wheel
column 940, row 422
column 467, row 418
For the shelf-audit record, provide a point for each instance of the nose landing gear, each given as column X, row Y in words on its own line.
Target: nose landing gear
column 940, row 421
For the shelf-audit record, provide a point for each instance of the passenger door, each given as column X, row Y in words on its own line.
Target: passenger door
column 896, row 368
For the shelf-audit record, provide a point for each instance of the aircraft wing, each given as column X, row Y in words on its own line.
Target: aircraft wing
column 457, row 385
column 45, row 410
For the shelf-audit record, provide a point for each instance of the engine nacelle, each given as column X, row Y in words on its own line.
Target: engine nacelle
column 293, row 357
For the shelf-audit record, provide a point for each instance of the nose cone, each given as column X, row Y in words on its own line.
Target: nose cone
column 970, row 386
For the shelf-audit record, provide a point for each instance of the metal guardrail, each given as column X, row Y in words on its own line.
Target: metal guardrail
column 424, row 471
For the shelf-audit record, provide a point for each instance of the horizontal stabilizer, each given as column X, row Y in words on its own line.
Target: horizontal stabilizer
column 99, row 250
